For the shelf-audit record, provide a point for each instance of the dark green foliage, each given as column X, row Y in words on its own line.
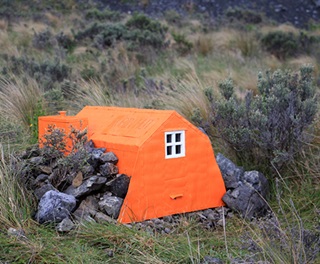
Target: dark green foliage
column 244, row 15
column 42, row 40
column 142, row 22
column 138, row 31
column 105, row 14
column 89, row 73
column 286, row 44
column 183, row 45
column 271, row 126
column 47, row 72
column 65, row 41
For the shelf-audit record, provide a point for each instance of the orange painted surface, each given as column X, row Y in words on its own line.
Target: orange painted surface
column 61, row 121
column 158, row 186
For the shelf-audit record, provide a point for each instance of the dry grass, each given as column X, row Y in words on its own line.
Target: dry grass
column 19, row 98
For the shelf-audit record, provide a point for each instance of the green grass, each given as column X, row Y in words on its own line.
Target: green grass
column 213, row 56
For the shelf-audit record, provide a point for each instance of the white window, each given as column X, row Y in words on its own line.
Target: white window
column 175, row 145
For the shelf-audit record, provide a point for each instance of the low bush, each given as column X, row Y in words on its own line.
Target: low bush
column 273, row 125
column 46, row 72
column 138, row 31
column 106, row 14
column 243, row 15
column 285, row 44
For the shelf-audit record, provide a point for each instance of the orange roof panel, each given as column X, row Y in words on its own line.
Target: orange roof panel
column 129, row 126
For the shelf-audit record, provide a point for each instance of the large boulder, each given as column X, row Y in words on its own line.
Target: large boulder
column 55, row 206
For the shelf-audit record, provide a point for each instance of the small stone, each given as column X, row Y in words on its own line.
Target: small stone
column 39, row 192
column 101, row 217
column 167, row 230
column 19, row 233
column 45, row 169
column 108, row 169
column 65, row 225
column 111, row 205
column 109, row 157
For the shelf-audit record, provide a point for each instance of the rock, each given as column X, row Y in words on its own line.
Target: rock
column 109, row 157
column 230, row 172
column 101, row 217
column 40, row 180
column 18, row 233
column 82, row 215
column 90, row 185
column 245, row 200
column 111, row 205
column 39, row 192
column 65, row 225
column 108, row 169
column 119, row 186
column 54, row 207
column 36, row 160
column 45, row 169
column 258, row 181
column 211, row 260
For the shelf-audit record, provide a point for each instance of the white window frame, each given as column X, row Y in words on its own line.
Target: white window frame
column 173, row 144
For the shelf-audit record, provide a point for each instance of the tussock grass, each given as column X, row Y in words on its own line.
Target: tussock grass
column 16, row 204
column 20, row 98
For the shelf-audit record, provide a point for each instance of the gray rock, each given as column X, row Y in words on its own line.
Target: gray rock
column 65, row 225
column 119, row 186
column 54, row 207
column 111, row 205
column 90, row 185
column 36, row 160
column 41, row 178
column 258, row 181
column 245, row 200
column 19, row 233
column 103, row 218
column 39, row 192
column 82, row 215
column 109, row 157
column 230, row 172
column 108, row 169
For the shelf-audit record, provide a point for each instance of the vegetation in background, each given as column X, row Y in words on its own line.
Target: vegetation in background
column 63, row 55
column 273, row 125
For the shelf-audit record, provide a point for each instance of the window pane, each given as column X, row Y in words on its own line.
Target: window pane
column 178, row 149
column 169, row 150
column 169, row 138
column 178, row 137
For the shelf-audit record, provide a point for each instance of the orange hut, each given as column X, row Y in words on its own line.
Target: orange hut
column 170, row 161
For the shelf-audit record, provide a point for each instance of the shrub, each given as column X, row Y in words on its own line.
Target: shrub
column 142, row 22
column 271, row 126
column 286, row 44
column 247, row 16
column 183, row 45
column 105, row 14
column 138, row 31
column 42, row 40
column 46, row 72
column 281, row 44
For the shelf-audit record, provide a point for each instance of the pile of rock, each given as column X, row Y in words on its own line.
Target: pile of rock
column 247, row 191
column 85, row 185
